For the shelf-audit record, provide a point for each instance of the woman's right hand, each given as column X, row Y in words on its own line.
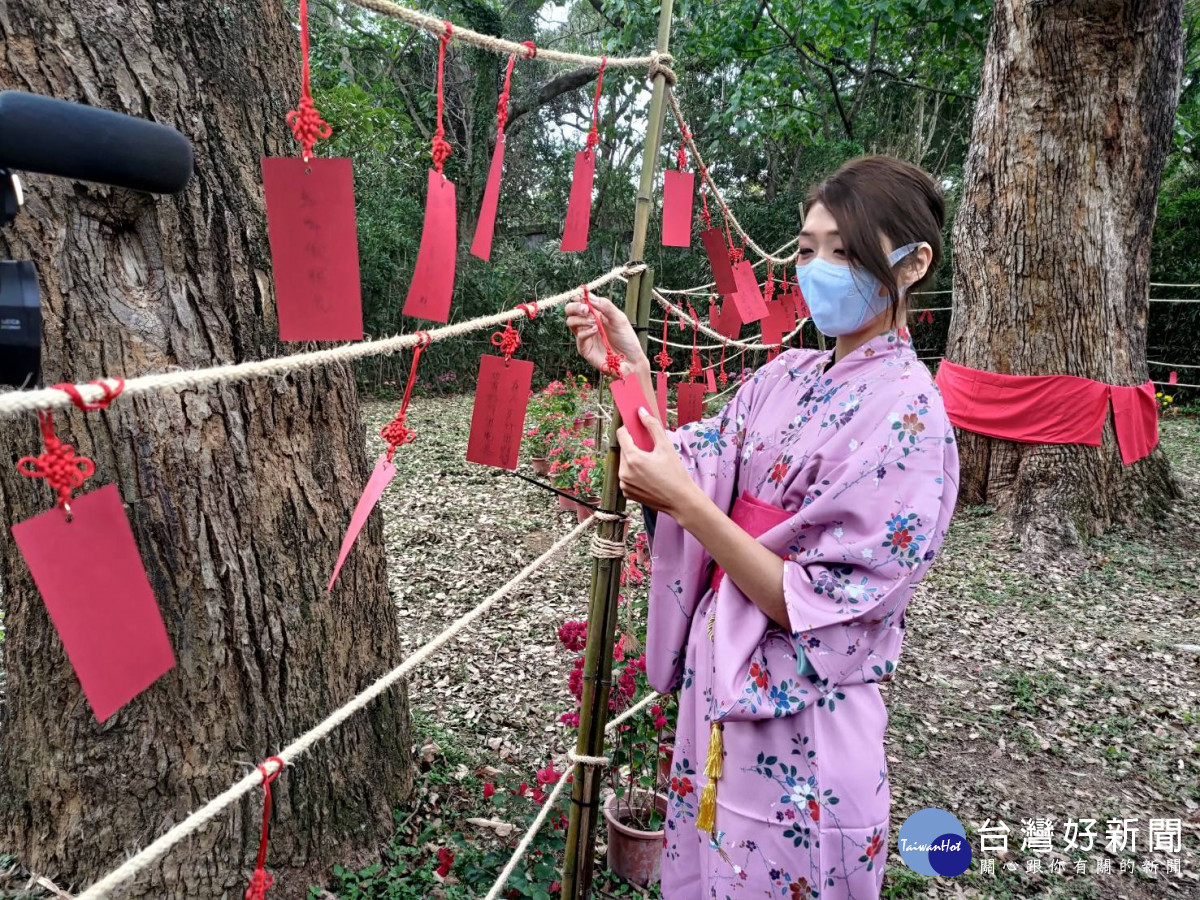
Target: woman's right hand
column 618, row 328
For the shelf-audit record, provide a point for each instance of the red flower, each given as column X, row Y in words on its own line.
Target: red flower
column 901, row 538
column 660, row 722
column 523, row 789
column 759, row 674
column 488, row 790
column 814, row 811
column 681, row 786
column 555, row 887
column 875, row 846
column 656, row 710
column 445, row 861
column 548, row 775
column 538, row 797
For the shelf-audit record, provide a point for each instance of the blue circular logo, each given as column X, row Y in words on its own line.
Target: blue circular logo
column 933, row 842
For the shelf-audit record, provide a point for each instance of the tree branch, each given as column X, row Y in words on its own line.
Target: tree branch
column 555, row 87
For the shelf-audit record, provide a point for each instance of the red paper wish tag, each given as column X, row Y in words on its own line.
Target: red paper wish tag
column 376, row 485
column 432, row 284
column 730, row 323
column 92, row 581
column 710, row 380
column 485, row 227
column 776, row 322
column 690, row 402
column 718, row 258
column 660, row 394
column 678, row 192
column 314, row 248
column 748, row 298
column 628, row 396
column 579, row 207
column 501, row 396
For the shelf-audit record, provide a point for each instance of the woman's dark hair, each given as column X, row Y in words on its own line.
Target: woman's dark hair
column 881, row 195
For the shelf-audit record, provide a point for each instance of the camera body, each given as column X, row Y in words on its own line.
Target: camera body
column 20, row 303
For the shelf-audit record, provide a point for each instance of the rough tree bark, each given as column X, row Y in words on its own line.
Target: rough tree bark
column 1052, row 244
column 238, row 495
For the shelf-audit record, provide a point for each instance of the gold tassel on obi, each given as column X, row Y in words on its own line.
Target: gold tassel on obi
column 706, row 818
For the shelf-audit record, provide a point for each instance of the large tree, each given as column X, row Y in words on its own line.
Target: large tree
column 1052, row 243
column 238, row 494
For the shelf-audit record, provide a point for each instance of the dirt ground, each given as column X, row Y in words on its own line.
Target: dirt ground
column 1024, row 692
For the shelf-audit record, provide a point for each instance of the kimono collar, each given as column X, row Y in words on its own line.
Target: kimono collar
column 893, row 344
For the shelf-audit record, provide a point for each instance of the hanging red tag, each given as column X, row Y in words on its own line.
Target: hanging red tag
column 579, row 207
column 678, row 192
column 90, row 575
column 718, row 258
column 776, row 323
column 710, row 380
column 432, row 284
column 501, row 396
column 376, row 485
column 314, row 248
column 748, row 298
column 731, row 322
column 660, row 393
column 485, row 227
column 799, row 307
column 689, row 402
column 628, row 396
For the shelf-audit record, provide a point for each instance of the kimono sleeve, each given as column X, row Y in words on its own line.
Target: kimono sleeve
column 869, row 537
column 679, row 575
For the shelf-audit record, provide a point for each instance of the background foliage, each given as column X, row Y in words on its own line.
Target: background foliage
column 777, row 95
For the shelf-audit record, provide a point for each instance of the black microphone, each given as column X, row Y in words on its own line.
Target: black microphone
column 55, row 137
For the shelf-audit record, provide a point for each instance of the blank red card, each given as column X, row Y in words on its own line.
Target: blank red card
column 728, row 323
column 314, row 248
column 376, row 485
column 92, row 581
column 710, row 380
column 485, row 225
column 628, row 396
column 748, row 298
column 678, row 192
column 778, row 320
column 689, row 402
column 660, row 394
column 432, row 285
column 718, row 258
column 501, row 396
column 579, row 207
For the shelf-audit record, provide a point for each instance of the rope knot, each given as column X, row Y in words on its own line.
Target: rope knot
column 441, row 149
column 111, row 393
column 530, row 309
column 663, row 358
column 58, row 464
column 307, row 125
column 530, row 49
column 260, row 882
column 658, row 68
column 507, row 340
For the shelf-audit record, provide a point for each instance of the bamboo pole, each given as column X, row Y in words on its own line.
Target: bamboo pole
column 606, row 572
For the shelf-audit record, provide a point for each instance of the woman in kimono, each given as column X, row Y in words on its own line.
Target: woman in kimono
column 792, row 528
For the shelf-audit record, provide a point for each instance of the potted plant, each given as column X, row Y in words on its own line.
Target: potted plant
column 562, row 467
column 635, row 809
column 589, row 477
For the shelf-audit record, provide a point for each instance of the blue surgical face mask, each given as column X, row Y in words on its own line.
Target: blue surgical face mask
column 842, row 298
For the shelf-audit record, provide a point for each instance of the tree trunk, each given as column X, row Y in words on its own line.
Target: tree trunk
column 238, row 495
column 1052, row 244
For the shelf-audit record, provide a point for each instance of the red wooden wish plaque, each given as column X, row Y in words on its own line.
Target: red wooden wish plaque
column 91, row 578
column 314, row 248
column 485, row 226
column 710, row 380
column 689, row 402
column 579, row 207
column 660, row 394
column 748, row 297
column 380, row 478
column 718, row 258
column 432, row 285
column 629, row 396
column 730, row 323
column 678, row 193
column 501, row 398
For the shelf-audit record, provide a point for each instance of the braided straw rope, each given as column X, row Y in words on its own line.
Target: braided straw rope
column 437, row 27
column 201, row 817
column 713, row 333
column 14, row 402
column 700, row 164
column 708, row 288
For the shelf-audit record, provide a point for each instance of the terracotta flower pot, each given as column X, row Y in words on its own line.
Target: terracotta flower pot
column 541, row 465
column 583, row 511
column 565, row 502
column 634, row 855
column 588, row 419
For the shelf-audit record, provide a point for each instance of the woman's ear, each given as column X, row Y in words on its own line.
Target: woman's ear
column 918, row 265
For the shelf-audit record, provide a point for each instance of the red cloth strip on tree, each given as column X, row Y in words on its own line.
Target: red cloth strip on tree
column 1049, row 409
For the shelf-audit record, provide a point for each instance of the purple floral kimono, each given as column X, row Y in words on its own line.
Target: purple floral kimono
column 865, row 458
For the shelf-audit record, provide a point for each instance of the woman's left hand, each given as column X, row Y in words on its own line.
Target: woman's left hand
column 658, row 477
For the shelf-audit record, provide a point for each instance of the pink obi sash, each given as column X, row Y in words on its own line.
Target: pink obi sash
column 1049, row 409
column 755, row 517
